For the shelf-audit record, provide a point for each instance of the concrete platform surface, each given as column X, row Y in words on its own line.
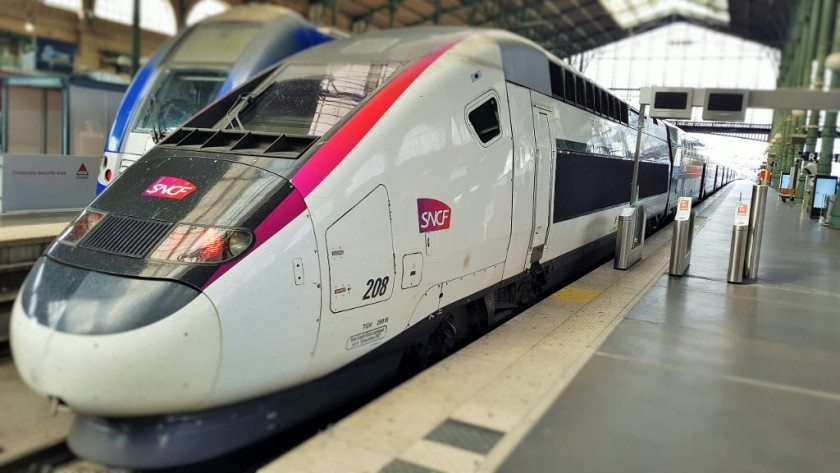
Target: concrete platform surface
column 37, row 226
column 26, row 425
column 708, row 376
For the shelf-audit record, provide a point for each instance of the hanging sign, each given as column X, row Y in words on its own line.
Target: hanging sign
column 54, row 56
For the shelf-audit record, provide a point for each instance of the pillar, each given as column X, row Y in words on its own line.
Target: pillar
column 830, row 123
column 135, row 39
column 809, row 27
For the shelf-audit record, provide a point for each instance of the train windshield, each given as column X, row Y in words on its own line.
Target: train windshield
column 178, row 95
column 307, row 99
column 193, row 73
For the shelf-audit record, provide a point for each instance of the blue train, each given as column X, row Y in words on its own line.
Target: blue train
column 199, row 65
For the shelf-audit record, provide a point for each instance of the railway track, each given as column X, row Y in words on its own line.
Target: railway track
column 59, row 458
column 50, row 459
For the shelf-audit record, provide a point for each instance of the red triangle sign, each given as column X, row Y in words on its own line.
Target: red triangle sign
column 82, row 170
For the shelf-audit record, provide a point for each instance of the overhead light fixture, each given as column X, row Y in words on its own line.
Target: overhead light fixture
column 29, row 26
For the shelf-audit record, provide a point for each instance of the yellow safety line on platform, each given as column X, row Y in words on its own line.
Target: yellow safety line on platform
column 576, row 294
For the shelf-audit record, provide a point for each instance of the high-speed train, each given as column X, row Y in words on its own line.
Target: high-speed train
column 201, row 64
column 367, row 201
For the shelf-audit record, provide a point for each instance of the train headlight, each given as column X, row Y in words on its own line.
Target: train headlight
column 197, row 244
column 238, row 242
column 80, row 227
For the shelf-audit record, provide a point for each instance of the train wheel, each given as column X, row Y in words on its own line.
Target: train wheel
column 437, row 345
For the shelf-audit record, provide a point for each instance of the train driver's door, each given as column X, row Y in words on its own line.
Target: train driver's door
column 544, row 158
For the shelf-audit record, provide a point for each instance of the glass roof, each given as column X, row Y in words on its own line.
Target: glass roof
column 632, row 13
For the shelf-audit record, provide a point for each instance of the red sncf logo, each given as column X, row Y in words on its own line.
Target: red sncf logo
column 433, row 215
column 169, row 188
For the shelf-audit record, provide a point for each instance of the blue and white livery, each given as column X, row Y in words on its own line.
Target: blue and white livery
column 202, row 63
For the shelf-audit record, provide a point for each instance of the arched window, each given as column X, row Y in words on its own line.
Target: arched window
column 205, row 8
column 72, row 5
column 155, row 15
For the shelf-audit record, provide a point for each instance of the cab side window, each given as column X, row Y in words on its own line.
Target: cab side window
column 485, row 120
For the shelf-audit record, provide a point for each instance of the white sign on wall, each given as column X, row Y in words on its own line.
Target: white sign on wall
column 46, row 182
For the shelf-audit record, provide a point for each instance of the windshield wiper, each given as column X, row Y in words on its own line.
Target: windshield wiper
column 241, row 103
column 154, row 110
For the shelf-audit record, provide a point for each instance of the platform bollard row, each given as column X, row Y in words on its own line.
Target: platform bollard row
column 747, row 230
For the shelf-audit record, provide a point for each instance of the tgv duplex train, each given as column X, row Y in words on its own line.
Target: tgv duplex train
column 366, row 202
column 202, row 63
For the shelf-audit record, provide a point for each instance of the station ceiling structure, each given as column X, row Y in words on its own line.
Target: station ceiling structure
column 564, row 27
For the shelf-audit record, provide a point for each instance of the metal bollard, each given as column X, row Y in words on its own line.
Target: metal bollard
column 758, row 206
column 681, row 246
column 630, row 237
column 829, row 207
column 737, row 253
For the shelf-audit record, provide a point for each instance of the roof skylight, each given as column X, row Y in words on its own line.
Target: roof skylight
column 632, row 13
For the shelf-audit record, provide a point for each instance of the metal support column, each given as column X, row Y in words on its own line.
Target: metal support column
column 830, row 123
column 809, row 27
column 633, row 185
column 630, row 235
column 796, row 47
column 781, row 136
column 823, row 41
column 135, row 39
column 392, row 13
column 775, row 138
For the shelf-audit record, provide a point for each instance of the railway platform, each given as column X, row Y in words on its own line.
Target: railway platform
column 17, row 229
column 26, row 425
column 23, row 237
column 631, row 371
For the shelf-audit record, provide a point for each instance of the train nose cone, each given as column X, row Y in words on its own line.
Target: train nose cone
column 115, row 346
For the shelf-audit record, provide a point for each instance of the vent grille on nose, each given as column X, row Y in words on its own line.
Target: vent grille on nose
column 126, row 236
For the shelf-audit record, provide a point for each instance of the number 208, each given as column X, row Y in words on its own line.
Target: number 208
column 376, row 288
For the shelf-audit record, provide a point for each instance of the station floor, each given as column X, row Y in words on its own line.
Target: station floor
column 632, row 371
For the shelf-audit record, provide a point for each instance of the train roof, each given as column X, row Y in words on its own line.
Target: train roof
column 523, row 61
column 396, row 45
column 407, row 44
column 256, row 13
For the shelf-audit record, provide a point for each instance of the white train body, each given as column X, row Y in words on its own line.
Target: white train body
column 365, row 236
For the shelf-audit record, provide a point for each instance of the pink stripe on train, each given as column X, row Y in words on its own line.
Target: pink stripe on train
column 330, row 155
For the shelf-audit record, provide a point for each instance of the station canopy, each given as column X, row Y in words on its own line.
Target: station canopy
column 568, row 27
